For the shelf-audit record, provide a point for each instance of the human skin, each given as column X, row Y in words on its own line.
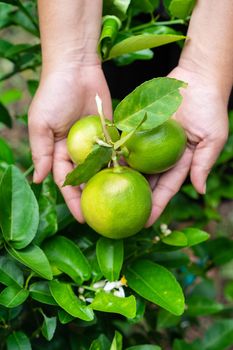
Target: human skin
column 206, row 64
column 72, row 75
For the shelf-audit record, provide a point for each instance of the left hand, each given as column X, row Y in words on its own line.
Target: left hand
column 203, row 115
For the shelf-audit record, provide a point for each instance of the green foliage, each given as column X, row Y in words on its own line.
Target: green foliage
column 60, row 283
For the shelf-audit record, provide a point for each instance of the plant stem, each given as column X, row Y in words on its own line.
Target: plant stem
column 28, row 280
column 29, row 170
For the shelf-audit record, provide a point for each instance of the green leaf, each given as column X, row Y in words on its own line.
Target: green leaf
column 18, row 341
column 34, row 258
column 182, row 345
column 64, row 317
column 159, row 98
column 171, row 259
column 10, row 274
column 117, row 342
column 201, row 306
column 101, row 343
column 195, row 236
column 129, row 58
column 116, row 8
column 68, row 258
column 19, row 214
column 145, row 6
column 156, row 284
column 110, row 28
column 220, row 250
column 228, row 291
column 176, row 238
column 67, row 300
column 144, row 347
column 13, row 296
column 110, row 254
column 181, row 8
column 48, row 327
column 32, row 86
column 108, row 302
column 11, row 96
column 219, row 336
column 40, row 291
column 94, row 162
column 5, row 117
column 47, row 209
column 142, row 42
column 166, row 320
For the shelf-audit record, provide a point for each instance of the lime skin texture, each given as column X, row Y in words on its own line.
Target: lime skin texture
column 117, row 202
column 83, row 134
column 157, row 150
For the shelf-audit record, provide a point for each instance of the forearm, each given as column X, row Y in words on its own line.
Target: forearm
column 209, row 49
column 69, row 31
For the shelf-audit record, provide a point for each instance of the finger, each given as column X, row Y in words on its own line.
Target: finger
column 42, row 146
column 204, row 158
column 153, row 179
column 61, row 167
column 168, row 185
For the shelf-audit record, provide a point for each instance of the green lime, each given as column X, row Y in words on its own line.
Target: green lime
column 83, row 135
column 116, row 202
column 157, row 150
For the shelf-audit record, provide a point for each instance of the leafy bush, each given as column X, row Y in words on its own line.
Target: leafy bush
column 61, row 285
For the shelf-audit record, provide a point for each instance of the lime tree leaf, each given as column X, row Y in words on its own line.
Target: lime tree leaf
column 195, row 236
column 32, row 86
column 64, row 317
column 10, row 273
column 67, row 300
column 110, row 254
column 4, row 46
column 110, row 28
column 181, row 8
column 101, row 343
column 142, row 42
column 145, row 6
column 13, row 296
column 68, row 258
column 5, row 117
column 40, row 291
column 19, row 214
column 6, row 153
column 117, row 342
column 144, row 347
column 11, row 96
column 176, row 238
column 34, row 258
column 47, row 208
column 48, row 327
column 158, row 98
column 219, row 336
column 129, row 58
column 166, row 320
column 182, row 345
column 116, row 7
column 108, row 302
column 156, row 284
column 202, row 306
column 94, row 162
column 18, row 341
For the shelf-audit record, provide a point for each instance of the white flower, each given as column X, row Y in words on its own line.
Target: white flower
column 99, row 284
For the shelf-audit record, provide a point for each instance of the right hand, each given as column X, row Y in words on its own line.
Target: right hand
column 65, row 94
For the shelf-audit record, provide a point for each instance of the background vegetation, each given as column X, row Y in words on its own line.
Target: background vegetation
column 48, row 262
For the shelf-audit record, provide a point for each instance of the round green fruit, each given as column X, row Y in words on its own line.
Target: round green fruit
column 83, row 135
column 157, row 150
column 116, row 202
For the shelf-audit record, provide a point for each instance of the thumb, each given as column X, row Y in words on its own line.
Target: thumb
column 204, row 158
column 42, row 146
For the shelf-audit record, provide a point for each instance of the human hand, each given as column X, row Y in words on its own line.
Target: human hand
column 203, row 115
column 66, row 93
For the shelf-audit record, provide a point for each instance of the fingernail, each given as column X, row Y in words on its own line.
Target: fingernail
column 35, row 177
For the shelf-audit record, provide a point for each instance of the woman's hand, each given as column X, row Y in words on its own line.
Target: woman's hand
column 203, row 115
column 65, row 94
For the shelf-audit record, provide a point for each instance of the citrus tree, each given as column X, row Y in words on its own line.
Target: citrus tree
column 62, row 285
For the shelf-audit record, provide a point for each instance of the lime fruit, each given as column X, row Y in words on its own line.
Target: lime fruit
column 157, row 150
column 116, row 202
column 83, row 134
